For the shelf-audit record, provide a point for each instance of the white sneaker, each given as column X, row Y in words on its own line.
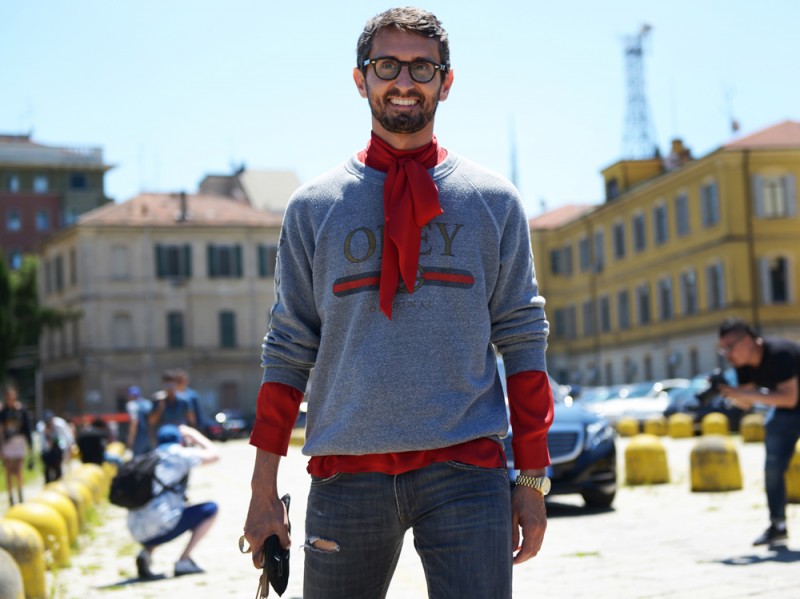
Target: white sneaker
column 187, row 566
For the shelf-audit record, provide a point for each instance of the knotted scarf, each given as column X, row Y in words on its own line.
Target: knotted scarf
column 410, row 201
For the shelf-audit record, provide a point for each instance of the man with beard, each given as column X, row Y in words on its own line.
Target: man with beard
column 398, row 275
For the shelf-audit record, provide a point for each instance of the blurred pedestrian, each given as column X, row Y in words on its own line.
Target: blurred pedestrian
column 168, row 407
column 139, row 408
column 184, row 391
column 16, row 440
column 167, row 516
column 767, row 372
column 56, row 440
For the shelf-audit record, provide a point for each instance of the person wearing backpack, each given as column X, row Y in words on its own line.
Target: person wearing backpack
column 166, row 516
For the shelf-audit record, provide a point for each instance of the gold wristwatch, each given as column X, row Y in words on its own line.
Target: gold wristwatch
column 540, row 483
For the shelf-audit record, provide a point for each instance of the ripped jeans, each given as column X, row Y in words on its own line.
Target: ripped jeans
column 460, row 516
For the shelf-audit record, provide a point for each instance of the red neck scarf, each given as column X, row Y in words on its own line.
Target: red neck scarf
column 410, row 201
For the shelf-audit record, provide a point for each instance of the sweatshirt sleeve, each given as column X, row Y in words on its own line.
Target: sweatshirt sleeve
column 530, row 401
column 277, row 408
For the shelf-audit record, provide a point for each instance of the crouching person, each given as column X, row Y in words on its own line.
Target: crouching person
column 167, row 516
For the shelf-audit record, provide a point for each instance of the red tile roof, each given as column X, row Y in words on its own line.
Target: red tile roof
column 161, row 210
column 560, row 216
column 782, row 135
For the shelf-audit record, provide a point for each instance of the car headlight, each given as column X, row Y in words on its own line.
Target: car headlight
column 598, row 433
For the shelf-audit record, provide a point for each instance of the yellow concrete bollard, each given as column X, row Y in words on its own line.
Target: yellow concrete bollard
column 10, row 577
column 655, row 425
column 79, row 494
column 752, row 428
column 714, row 424
column 50, row 525
column 64, row 506
column 680, row 426
column 24, row 543
column 628, row 427
column 715, row 465
column 94, row 478
column 116, row 448
column 792, row 477
column 646, row 461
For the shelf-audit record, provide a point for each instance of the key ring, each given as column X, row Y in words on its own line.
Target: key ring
column 244, row 546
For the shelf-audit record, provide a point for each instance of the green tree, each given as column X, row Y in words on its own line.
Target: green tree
column 22, row 319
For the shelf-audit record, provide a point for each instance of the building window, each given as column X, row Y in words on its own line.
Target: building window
column 227, row 329
column 566, row 260
column 587, row 315
column 623, row 310
column 689, row 292
column 775, row 280
column 647, row 363
column 267, row 258
column 78, row 181
column 14, row 259
column 682, row 215
column 175, row 330
column 59, row 272
column 560, row 324
column 13, row 220
column 775, row 197
column 612, row 189
column 73, row 267
column 12, row 183
column 665, row 299
column 694, row 362
column 604, row 314
column 572, row 325
column 42, row 220
column 48, row 277
column 174, row 261
column 643, row 303
column 609, row 373
column 121, row 332
column 70, row 216
column 224, row 261
column 76, row 338
column 618, row 233
column 715, row 286
column 639, row 233
column 584, row 255
column 660, row 224
column 555, row 261
column 599, row 250
column 119, row 262
column 709, row 204
column 40, row 184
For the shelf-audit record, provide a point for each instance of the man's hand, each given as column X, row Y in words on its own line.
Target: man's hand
column 267, row 513
column 527, row 513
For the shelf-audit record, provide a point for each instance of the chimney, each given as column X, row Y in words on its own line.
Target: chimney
column 183, row 215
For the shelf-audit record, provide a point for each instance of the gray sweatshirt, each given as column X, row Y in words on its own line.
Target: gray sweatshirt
column 427, row 378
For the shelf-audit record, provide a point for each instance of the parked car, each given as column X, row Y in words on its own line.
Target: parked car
column 582, row 451
column 699, row 400
column 638, row 400
column 229, row 424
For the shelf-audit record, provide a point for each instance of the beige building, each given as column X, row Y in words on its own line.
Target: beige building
column 160, row 281
column 636, row 287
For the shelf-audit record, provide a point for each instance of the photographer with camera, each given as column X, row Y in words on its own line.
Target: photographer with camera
column 767, row 370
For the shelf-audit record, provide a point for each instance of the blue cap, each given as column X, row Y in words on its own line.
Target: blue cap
column 168, row 433
column 134, row 391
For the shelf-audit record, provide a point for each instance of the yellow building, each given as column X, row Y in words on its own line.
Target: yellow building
column 637, row 287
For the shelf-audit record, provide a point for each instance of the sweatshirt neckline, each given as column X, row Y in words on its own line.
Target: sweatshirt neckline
column 370, row 175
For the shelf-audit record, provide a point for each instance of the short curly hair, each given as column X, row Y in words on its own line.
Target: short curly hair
column 409, row 19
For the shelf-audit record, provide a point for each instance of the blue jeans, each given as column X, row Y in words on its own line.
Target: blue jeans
column 782, row 430
column 460, row 515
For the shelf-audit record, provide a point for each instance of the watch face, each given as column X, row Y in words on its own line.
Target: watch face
column 545, row 485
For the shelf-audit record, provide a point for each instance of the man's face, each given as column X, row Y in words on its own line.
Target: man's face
column 737, row 348
column 403, row 109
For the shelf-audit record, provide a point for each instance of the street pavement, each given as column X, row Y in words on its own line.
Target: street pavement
column 658, row 541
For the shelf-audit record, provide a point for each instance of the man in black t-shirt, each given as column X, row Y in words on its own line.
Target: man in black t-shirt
column 767, row 370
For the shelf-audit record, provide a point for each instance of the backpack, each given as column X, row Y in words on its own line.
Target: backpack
column 132, row 486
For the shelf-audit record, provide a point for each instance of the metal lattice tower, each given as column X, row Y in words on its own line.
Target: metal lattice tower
column 639, row 140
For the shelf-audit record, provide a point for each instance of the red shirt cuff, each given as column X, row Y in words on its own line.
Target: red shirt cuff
column 277, row 408
column 530, row 402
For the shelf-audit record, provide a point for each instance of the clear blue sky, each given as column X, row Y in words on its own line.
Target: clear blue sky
column 175, row 89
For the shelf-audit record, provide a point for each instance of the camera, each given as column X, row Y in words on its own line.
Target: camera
column 715, row 380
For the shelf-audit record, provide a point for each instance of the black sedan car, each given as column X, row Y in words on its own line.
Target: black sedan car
column 582, row 451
